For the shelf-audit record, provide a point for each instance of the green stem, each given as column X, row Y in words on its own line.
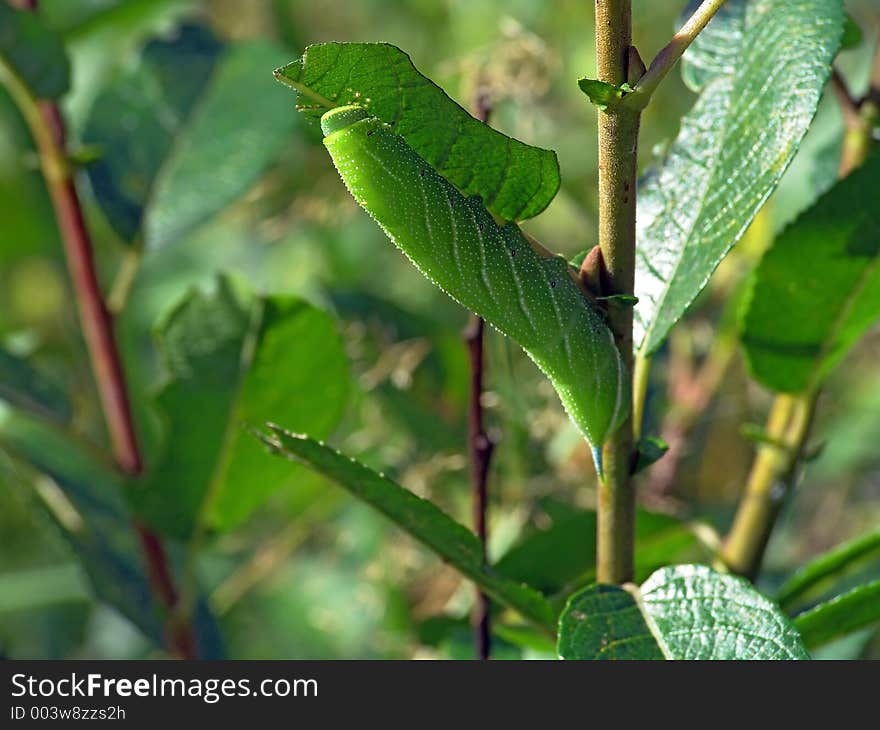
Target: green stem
column 641, row 373
column 618, row 150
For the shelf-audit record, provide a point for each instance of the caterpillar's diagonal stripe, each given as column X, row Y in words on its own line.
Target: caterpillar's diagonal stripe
column 530, row 297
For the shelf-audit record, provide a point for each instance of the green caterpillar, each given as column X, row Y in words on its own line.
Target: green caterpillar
column 493, row 270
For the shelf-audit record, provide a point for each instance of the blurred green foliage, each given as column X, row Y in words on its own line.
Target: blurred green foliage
column 311, row 573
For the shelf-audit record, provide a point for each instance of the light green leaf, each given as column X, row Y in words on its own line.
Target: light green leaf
column 828, row 566
column 528, row 294
column 25, row 387
column 601, row 93
column 418, row 517
column 759, row 69
column 35, row 588
column 235, row 360
column 515, row 181
column 33, row 52
column 842, row 615
column 199, row 127
column 681, row 612
column 817, row 288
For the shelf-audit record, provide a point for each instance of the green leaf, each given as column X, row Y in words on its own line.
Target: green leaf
column 852, row 33
column 525, row 292
column 92, row 515
column 30, row 590
column 185, row 134
column 420, row 518
column 25, row 387
column 681, row 612
column 601, row 93
column 515, row 181
column 828, row 566
column 840, row 616
column 236, row 360
column 33, row 52
column 759, row 69
column 562, row 557
column 817, row 288
column 650, row 450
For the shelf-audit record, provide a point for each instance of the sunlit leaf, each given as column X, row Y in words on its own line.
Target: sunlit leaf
column 759, row 69
column 514, row 180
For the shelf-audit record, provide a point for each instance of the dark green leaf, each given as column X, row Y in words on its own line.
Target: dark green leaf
column 185, row 134
column 419, row 517
column 23, row 386
column 602, row 94
column 828, row 566
column 651, row 449
column 840, row 616
column 33, row 52
column 515, row 181
column 682, row 612
column 817, row 289
column 605, row 622
column 759, row 68
column 235, row 360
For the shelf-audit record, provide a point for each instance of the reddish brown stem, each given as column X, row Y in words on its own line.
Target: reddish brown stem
column 97, row 328
column 48, row 129
column 95, row 319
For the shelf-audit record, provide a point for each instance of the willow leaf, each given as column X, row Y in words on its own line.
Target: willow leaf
column 33, row 52
column 759, row 68
column 493, row 270
column 829, row 566
column 420, row 518
column 515, row 180
column 842, row 615
column 681, row 612
column 817, row 288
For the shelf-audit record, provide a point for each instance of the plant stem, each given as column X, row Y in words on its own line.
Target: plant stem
column 641, row 376
column 480, row 446
column 788, row 424
column 771, row 476
column 618, row 148
column 669, row 55
column 47, row 128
